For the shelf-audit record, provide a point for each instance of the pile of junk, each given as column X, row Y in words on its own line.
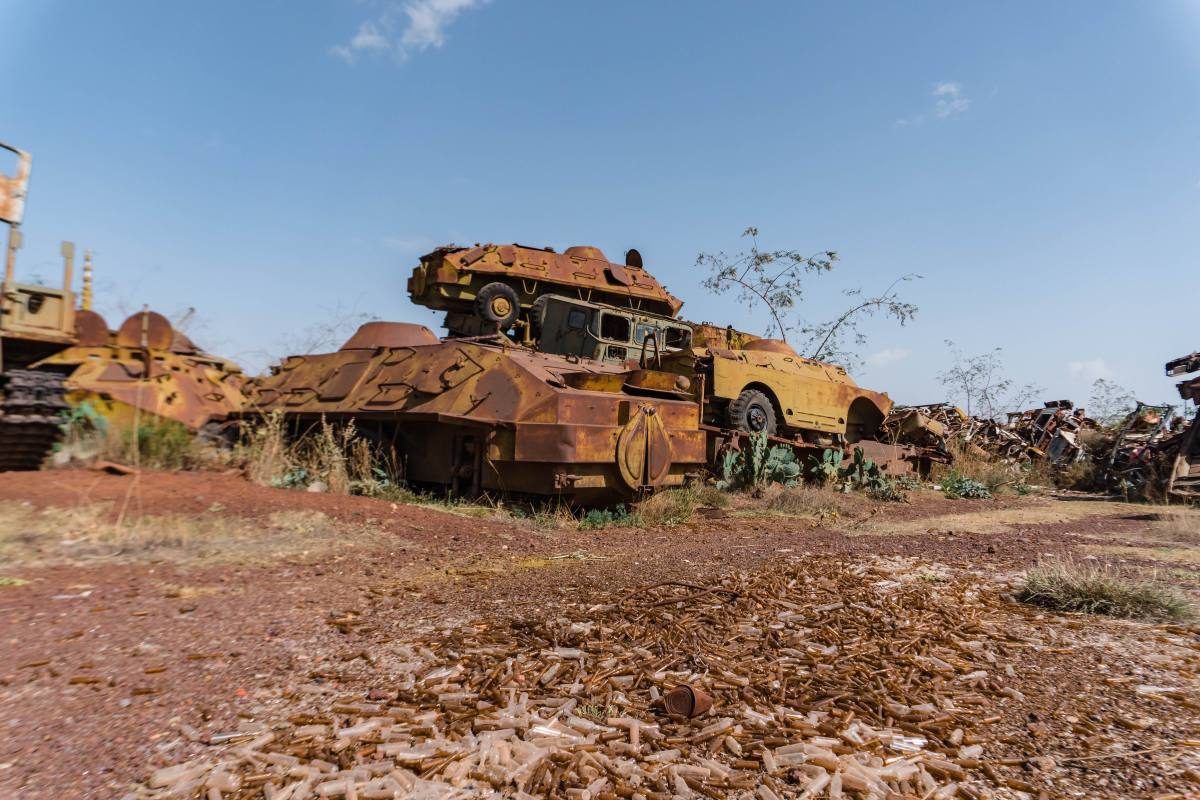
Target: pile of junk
column 1153, row 450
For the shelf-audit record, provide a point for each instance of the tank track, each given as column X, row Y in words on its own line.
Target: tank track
column 31, row 407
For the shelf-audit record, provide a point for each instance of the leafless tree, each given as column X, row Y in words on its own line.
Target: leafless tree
column 1110, row 402
column 776, row 280
column 979, row 383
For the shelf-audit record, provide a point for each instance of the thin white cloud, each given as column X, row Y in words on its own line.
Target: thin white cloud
column 403, row 29
column 1090, row 370
column 888, row 355
column 950, row 100
column 368, row 39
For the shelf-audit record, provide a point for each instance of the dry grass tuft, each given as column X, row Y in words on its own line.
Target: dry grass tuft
column 672, row 507
column 1101, row 588
column 333, row 454
column 1177, row 525
column 89, row 532
column 818, row 503
column 265, row 450
column 975, row 464
column 154, row 443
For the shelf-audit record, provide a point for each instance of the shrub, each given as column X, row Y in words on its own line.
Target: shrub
column 970, row 461
column 1067, row 585
column 956, row 486
column 615, row 517
column 1078, row 475
column 758, row 465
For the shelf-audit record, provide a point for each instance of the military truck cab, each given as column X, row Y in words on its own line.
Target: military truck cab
column 568, row 327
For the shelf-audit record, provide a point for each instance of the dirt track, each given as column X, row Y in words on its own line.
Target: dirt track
column 105, row 656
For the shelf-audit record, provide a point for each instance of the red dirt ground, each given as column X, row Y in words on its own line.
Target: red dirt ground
column 99, row 658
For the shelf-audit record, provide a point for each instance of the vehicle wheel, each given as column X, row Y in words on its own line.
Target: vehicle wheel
column 498, row 304
column 752, row 412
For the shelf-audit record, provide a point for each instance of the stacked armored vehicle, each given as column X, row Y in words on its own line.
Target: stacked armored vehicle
column 563, row 374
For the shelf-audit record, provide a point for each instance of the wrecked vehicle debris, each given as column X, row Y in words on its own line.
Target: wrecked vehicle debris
column 54, row 356
column 1184, row 478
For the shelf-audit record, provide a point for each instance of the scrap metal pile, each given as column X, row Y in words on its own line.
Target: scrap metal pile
column 821, row 679
column 1150, row 449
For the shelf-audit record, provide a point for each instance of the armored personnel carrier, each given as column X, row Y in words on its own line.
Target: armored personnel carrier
column 146, row 367
column 480, row 414
column 492, row 287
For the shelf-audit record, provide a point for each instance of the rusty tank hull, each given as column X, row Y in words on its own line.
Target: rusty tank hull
column 146, row 369
column 495, row 286
column 483, row 415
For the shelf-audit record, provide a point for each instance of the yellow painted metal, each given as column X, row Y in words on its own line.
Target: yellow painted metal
column 812, row 395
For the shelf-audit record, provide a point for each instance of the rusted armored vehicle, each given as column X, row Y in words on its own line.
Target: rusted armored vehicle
column 147, row 368
column 35, row 322
column 744, row 382
column 483, row 414
column 493, row 287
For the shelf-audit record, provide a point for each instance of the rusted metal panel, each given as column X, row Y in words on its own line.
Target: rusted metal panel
column 13, row 188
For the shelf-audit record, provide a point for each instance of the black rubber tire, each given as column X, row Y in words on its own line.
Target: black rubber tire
column 492, row 295
column 753, row 412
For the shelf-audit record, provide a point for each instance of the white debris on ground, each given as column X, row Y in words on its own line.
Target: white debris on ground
column 829, row 681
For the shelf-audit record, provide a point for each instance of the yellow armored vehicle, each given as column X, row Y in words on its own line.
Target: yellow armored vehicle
column 744, row 383
column 492, row 287
column 146, row 367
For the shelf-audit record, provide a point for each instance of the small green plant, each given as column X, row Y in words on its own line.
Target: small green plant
column 906, row 483
column 958, row 487
column 829, row 467
column 1067, row 585
column 758, row 464
column 294, row 478
column 729, row 467
column 864, row 475
column 782, row 466
column 5, row 580
column 754, row 462
column 617, row 517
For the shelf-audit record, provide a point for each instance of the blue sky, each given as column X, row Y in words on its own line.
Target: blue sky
column 278, row 165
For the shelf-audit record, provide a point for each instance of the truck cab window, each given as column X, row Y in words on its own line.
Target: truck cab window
column 614, row 328
column 678, row 338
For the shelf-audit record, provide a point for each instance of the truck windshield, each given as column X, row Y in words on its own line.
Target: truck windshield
column 614, row 328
